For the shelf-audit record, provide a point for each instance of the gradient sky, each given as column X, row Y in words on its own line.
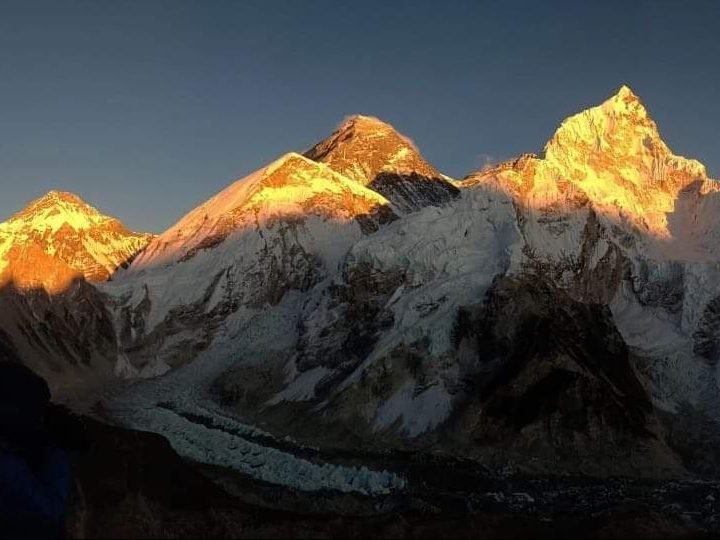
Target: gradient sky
column 146, row 108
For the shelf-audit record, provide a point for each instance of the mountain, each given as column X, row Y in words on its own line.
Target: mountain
column 610, row 220
column 558, row 307
column 405, row 343
column 612, row 154
column 51, row 316
column 291, row 187
column 553, row 313
column 374, row 154
column 58, row 238
column 68, row 337
column 282, row 229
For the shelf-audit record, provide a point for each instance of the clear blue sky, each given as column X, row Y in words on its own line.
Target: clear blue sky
column 146, row 108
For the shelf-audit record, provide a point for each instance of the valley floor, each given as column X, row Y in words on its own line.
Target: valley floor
column 132, row 484
column 203, row 473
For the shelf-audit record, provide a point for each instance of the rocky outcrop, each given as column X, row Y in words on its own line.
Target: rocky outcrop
column 69, row 337
column 552, row 380
column 370, row 152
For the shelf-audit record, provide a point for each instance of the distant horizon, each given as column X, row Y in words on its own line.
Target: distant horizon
column 147, row 109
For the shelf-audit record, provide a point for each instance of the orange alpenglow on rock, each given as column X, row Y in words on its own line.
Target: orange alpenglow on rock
column 373, row 154
column 611, row 154
column 59, row 238
column 365, row 146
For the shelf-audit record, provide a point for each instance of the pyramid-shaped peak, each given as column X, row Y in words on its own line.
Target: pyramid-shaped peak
column 58, row 210
column 292, row 187
column 55, row 203
column 286, row 160
column 292, row 178
column 618, row 131
column 625, row 93
column 294, row 168
column 615, row 153
column 620, row 124
column 626, row 101
column 360, row 121
column 363, row 147
column 59, row 237
column 55, row 196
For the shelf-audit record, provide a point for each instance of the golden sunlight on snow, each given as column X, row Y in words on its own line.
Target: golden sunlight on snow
column 59, row 238
column 292, row 187
column 612, row 155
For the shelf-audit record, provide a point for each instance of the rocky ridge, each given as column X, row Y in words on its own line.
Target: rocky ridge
column 372, row 153
column 556, row 312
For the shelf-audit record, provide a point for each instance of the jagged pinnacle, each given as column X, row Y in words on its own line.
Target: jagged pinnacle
column 626, row 93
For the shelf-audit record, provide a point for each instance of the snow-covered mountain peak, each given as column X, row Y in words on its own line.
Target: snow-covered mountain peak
column 612, row 155
column 373, row 154
column 58, row 196
column 364, row 147
column 619, row 133
column 361, row 122
column 626, row 96
column 626, row 92
column 291, row 187
column 59, row 237
column 56, row 209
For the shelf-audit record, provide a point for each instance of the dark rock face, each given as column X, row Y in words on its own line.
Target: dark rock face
column 412, row 192
column 706, row 339
column 372, row 153
column 359, row 304
column 364, row 146
column 695, row 438
column 554, row 381
column 66, row 336
column 666, row 293
column 370, row 223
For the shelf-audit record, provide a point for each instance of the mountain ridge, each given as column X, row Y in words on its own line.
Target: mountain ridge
column 561, row 308
column 374, row 154
column 286, row 186
column 59, row 237
column 613, row 155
